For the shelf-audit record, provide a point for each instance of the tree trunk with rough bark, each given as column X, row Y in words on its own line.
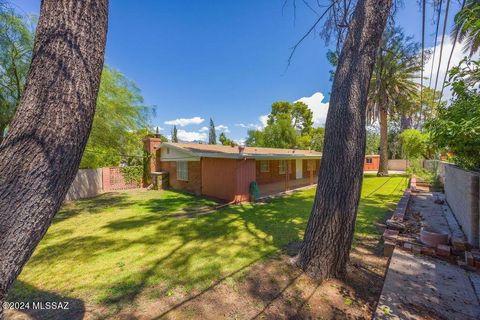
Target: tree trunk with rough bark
column 329, row 233
column 41, row 153
column 383, row 166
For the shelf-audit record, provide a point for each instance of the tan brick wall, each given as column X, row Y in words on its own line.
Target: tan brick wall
column 462, row 194
column 194, row 183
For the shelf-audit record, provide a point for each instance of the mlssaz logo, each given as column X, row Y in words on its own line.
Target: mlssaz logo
column 50, row 305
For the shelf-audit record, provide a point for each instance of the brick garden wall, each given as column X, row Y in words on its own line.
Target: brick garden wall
column 112, row 180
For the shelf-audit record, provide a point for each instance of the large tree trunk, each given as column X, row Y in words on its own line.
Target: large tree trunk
column 329, row 232
column 41, row 153
column 383, row 167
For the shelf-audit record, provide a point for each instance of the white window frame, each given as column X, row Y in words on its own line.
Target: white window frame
column 282, row 166
column 264, row 166
column 182, row 170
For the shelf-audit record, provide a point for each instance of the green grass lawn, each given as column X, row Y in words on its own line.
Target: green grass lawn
column 111, row 248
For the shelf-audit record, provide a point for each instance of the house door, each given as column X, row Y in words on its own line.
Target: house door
column 299, row 169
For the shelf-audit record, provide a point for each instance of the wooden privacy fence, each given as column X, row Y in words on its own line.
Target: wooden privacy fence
column 91, row 182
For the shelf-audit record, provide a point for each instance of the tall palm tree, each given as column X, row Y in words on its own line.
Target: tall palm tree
column 467, row 25
column 393, row 88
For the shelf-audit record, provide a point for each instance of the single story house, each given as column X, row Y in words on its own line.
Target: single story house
column 225, row 172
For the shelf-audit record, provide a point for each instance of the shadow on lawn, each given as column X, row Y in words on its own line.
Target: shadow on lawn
column 37, row 299
column 272, row 227
column 93, row 205
column 259, row 230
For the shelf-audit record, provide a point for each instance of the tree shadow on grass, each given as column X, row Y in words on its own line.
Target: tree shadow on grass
column 93, row 205
column 37, row 300
column 262, row 229
column 197, row 253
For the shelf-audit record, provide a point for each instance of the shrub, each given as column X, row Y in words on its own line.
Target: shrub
column 132, row 174
column 457, row 127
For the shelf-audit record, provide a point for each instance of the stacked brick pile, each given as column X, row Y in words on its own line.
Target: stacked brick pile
column 457, row 251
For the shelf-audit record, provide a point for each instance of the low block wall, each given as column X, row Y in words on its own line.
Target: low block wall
column 462, row 194
column 398, row 164
column 87, row 183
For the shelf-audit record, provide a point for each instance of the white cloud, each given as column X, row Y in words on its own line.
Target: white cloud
column 318, row 107
column 191, row 136
column 203, row 129
column 158, row 128
column 457, row 56
column 248, row 125
column 263, row 119
column 240, row 142
column 258, row 126
column 182, row 122
column 222, row 128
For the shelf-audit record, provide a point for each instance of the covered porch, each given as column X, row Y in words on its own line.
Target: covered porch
column 280, row 175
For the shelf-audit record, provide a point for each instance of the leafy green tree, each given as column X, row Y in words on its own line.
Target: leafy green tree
column 212, row 134
column 313, row 140
column 174, row 134
column 373, row 142
column 16, row 45
column 457, row 127
column 414, row 143
column 392, row 87
column 120, row 115
column 255, row 138
column 281, row 133
column 301, row 115
column 467, row 24
column 226, row 141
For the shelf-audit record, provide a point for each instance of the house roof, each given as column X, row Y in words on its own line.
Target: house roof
column 236, row 152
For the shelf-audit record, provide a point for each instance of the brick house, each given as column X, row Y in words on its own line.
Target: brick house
column 372, row 162
column 225, row 172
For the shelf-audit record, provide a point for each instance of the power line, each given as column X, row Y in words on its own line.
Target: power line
column 450, row 58
column 423, row 51
column 435, row 46
column 423, row 54
column 441, row 45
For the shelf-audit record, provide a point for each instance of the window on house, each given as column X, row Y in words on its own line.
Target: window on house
column 264, row 166
column 369, row 160
column 182, row 170
column 168, row 150
column 282, row 167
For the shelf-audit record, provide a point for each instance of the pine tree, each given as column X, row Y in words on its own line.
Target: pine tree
column 212, row 135
column 174, row 134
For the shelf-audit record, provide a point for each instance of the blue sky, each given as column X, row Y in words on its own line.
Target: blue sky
column 223, row 59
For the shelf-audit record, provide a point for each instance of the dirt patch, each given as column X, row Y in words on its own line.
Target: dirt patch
column 271, row 289
column 275, row 289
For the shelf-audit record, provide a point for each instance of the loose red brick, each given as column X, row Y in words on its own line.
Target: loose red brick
column 459, row 244
column 469, row 259
column 443, row 250
column 428, row 251
column 416, row 249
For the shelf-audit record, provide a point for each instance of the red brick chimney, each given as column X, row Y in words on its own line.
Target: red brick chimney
column 152, row 146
